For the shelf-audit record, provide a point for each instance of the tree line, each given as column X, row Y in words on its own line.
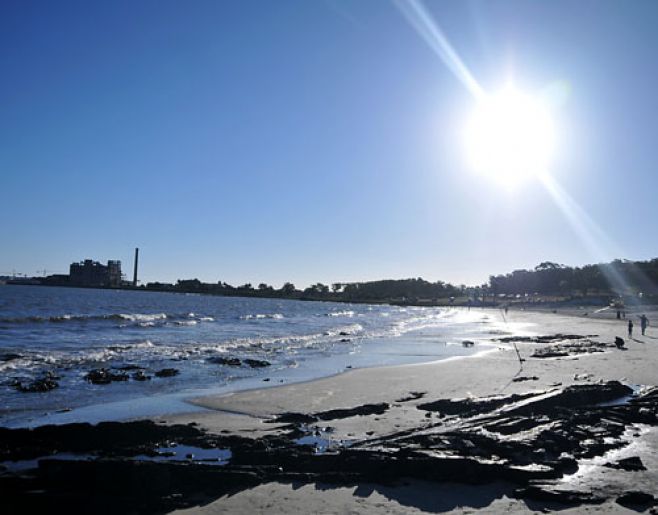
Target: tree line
column 618, row 277
column 402, row 290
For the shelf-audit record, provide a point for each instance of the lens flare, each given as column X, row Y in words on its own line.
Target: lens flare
column 511, row 136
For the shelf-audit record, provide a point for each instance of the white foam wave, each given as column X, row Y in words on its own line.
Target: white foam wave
column 260, row 316
column 345, row 313
column 35, row 360
column 139, row 317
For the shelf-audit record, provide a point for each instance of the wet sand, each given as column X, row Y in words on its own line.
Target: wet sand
column 490, row 373
column 468, row 434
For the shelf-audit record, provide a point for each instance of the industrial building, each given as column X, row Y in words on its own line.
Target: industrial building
column 93, row 273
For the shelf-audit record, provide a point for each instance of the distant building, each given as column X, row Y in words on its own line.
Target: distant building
column 56, row 280
column 93, row 273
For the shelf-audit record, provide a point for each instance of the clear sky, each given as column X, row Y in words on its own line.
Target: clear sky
column 308, row 141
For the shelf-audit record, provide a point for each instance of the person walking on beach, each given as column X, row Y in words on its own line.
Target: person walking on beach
column 630, row 329
column 644, row 322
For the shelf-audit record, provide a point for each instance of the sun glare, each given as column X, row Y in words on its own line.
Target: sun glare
column 509, row 136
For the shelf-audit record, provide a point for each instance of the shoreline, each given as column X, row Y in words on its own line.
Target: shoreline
column 355, row 375
column 420, row 345
column 399, row 431
column 199, row 400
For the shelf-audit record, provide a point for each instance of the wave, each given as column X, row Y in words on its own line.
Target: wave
column 138, row 317
column 260, row 316
column 186, row 322
column 33, row 361
column 345, row 313
column 142, row 319
column 311, row 335
column 146, row 352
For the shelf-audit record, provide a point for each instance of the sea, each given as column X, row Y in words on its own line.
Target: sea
column 69, row 332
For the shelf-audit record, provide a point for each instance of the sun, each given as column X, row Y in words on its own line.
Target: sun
column 509, row 136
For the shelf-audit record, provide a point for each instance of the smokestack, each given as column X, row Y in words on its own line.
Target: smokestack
column 135, row 272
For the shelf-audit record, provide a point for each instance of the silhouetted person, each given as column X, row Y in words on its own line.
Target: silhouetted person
column 618, row 315
column 630, row 329
column 644, row 322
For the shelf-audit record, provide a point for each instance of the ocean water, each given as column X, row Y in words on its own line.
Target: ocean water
column 69, row 332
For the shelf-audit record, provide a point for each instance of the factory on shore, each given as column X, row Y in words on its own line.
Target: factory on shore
column 93, row 274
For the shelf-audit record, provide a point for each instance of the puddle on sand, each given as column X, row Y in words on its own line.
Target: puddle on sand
column 625, row 399
column 187, row 454
column 173, row 454
column 319, row 438
column 592, row 473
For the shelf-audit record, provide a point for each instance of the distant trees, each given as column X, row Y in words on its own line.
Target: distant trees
column 547, row 278
column 317, row 289
column 399, row 289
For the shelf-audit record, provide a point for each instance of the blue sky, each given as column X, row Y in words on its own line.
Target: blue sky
column 313, row 141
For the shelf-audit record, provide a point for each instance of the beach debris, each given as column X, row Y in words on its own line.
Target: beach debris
column 520, row 379
column 632, row 463
column 335, row 414
column 236, row 362
column 571, row 347
column 551, row 338
column 141, row 376
column 105, row 376
column 636, row 498
column 583, row 377
column 572, row 497
column 525, row 440
column 412, row 397
column 222, row 360
column 44, row 384
column 167, row 372
column 470, row 406
column 468, row 343
column 257, row 363
column 548, row 352
column 619, row 342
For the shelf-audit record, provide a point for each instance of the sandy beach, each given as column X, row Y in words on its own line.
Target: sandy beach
column 329, row 257
column 572, row 429
column 489, row 373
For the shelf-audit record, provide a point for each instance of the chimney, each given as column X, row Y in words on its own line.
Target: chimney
column 135, row 272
